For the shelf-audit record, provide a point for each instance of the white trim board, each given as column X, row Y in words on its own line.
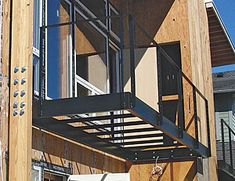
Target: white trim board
column 101, row 177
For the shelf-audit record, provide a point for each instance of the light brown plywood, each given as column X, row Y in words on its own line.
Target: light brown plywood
column 202, row 77
column 5, row 86
column 21, row 125
column 81, row 159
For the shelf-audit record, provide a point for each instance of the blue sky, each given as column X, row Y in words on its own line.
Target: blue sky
column 226, row 9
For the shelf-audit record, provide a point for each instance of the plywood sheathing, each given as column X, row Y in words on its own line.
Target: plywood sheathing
column 4, row 100
column 167, row 22
column 21, row 56
column 202, row 76
column 177, row 27
column 81, row 159
column 4, row 103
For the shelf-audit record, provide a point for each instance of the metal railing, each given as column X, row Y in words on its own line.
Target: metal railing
column 124, row 35
column 228, row 144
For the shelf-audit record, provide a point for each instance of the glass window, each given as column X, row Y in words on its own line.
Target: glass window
column 58, row 50
column 36, row 43
column 49, row 176
column 36, row 24
column 36, row 73
column 91, row 63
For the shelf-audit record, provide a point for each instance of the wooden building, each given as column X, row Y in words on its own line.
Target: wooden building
column 107, row 86
column 222, row 54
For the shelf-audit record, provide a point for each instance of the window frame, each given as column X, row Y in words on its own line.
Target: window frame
column 39, row 169
column 79, row 80
column 64, row 175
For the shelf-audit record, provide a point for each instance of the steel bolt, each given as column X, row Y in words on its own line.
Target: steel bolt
column 15, row 113
column 23, row 81
column 15, row 94
column 16, row 81
column 15, row 104
column 22, row 93
column 16, row 69
column 23, row 69
column 21, row 112
column 22, row 104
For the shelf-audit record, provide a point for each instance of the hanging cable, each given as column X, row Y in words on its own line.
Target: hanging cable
column 157, row 170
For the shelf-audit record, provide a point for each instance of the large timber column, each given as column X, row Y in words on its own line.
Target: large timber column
column 20, row 118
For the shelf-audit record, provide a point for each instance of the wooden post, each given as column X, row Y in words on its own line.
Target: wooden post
column 20, row 118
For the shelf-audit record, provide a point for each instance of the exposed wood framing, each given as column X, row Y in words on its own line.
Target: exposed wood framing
column 20, row 118
column 4, row 86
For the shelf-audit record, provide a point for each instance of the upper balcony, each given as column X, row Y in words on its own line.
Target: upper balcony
column 104, row 82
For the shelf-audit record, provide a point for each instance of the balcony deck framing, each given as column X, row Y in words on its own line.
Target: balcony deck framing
column 186, row 148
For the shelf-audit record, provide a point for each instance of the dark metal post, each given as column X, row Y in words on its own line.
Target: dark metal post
column 195, row 115
column 33, row 82
column 222, row 138
column 208, row 128
column 42, row 72
column 132, row 57
column 121, row 63
column 159, row 77
column 42, row 93
column 73, row 49
column 230, row 147
column 181, row 105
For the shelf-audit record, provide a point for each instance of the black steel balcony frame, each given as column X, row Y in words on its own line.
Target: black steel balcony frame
column 186, row 148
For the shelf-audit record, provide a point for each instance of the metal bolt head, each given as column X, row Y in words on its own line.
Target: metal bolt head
column 15, row 113
column 16, row 81
column 15, row 104
column 15, row 94
column 23, row 69
column 22, row 93
column 23, row 81
column 22, row 104
column 21, row 112
column 16, row 69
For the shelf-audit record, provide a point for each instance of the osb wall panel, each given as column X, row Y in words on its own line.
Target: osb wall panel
column 175, row 28
column 201, row 76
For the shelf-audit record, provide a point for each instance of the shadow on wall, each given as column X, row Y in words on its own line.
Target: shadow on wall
column 58, row 151
column 148, row 14
column 61, row 152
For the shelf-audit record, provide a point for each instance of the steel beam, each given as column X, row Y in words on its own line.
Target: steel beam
column 148, row 114
column 87, row 104
column 167, row 155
